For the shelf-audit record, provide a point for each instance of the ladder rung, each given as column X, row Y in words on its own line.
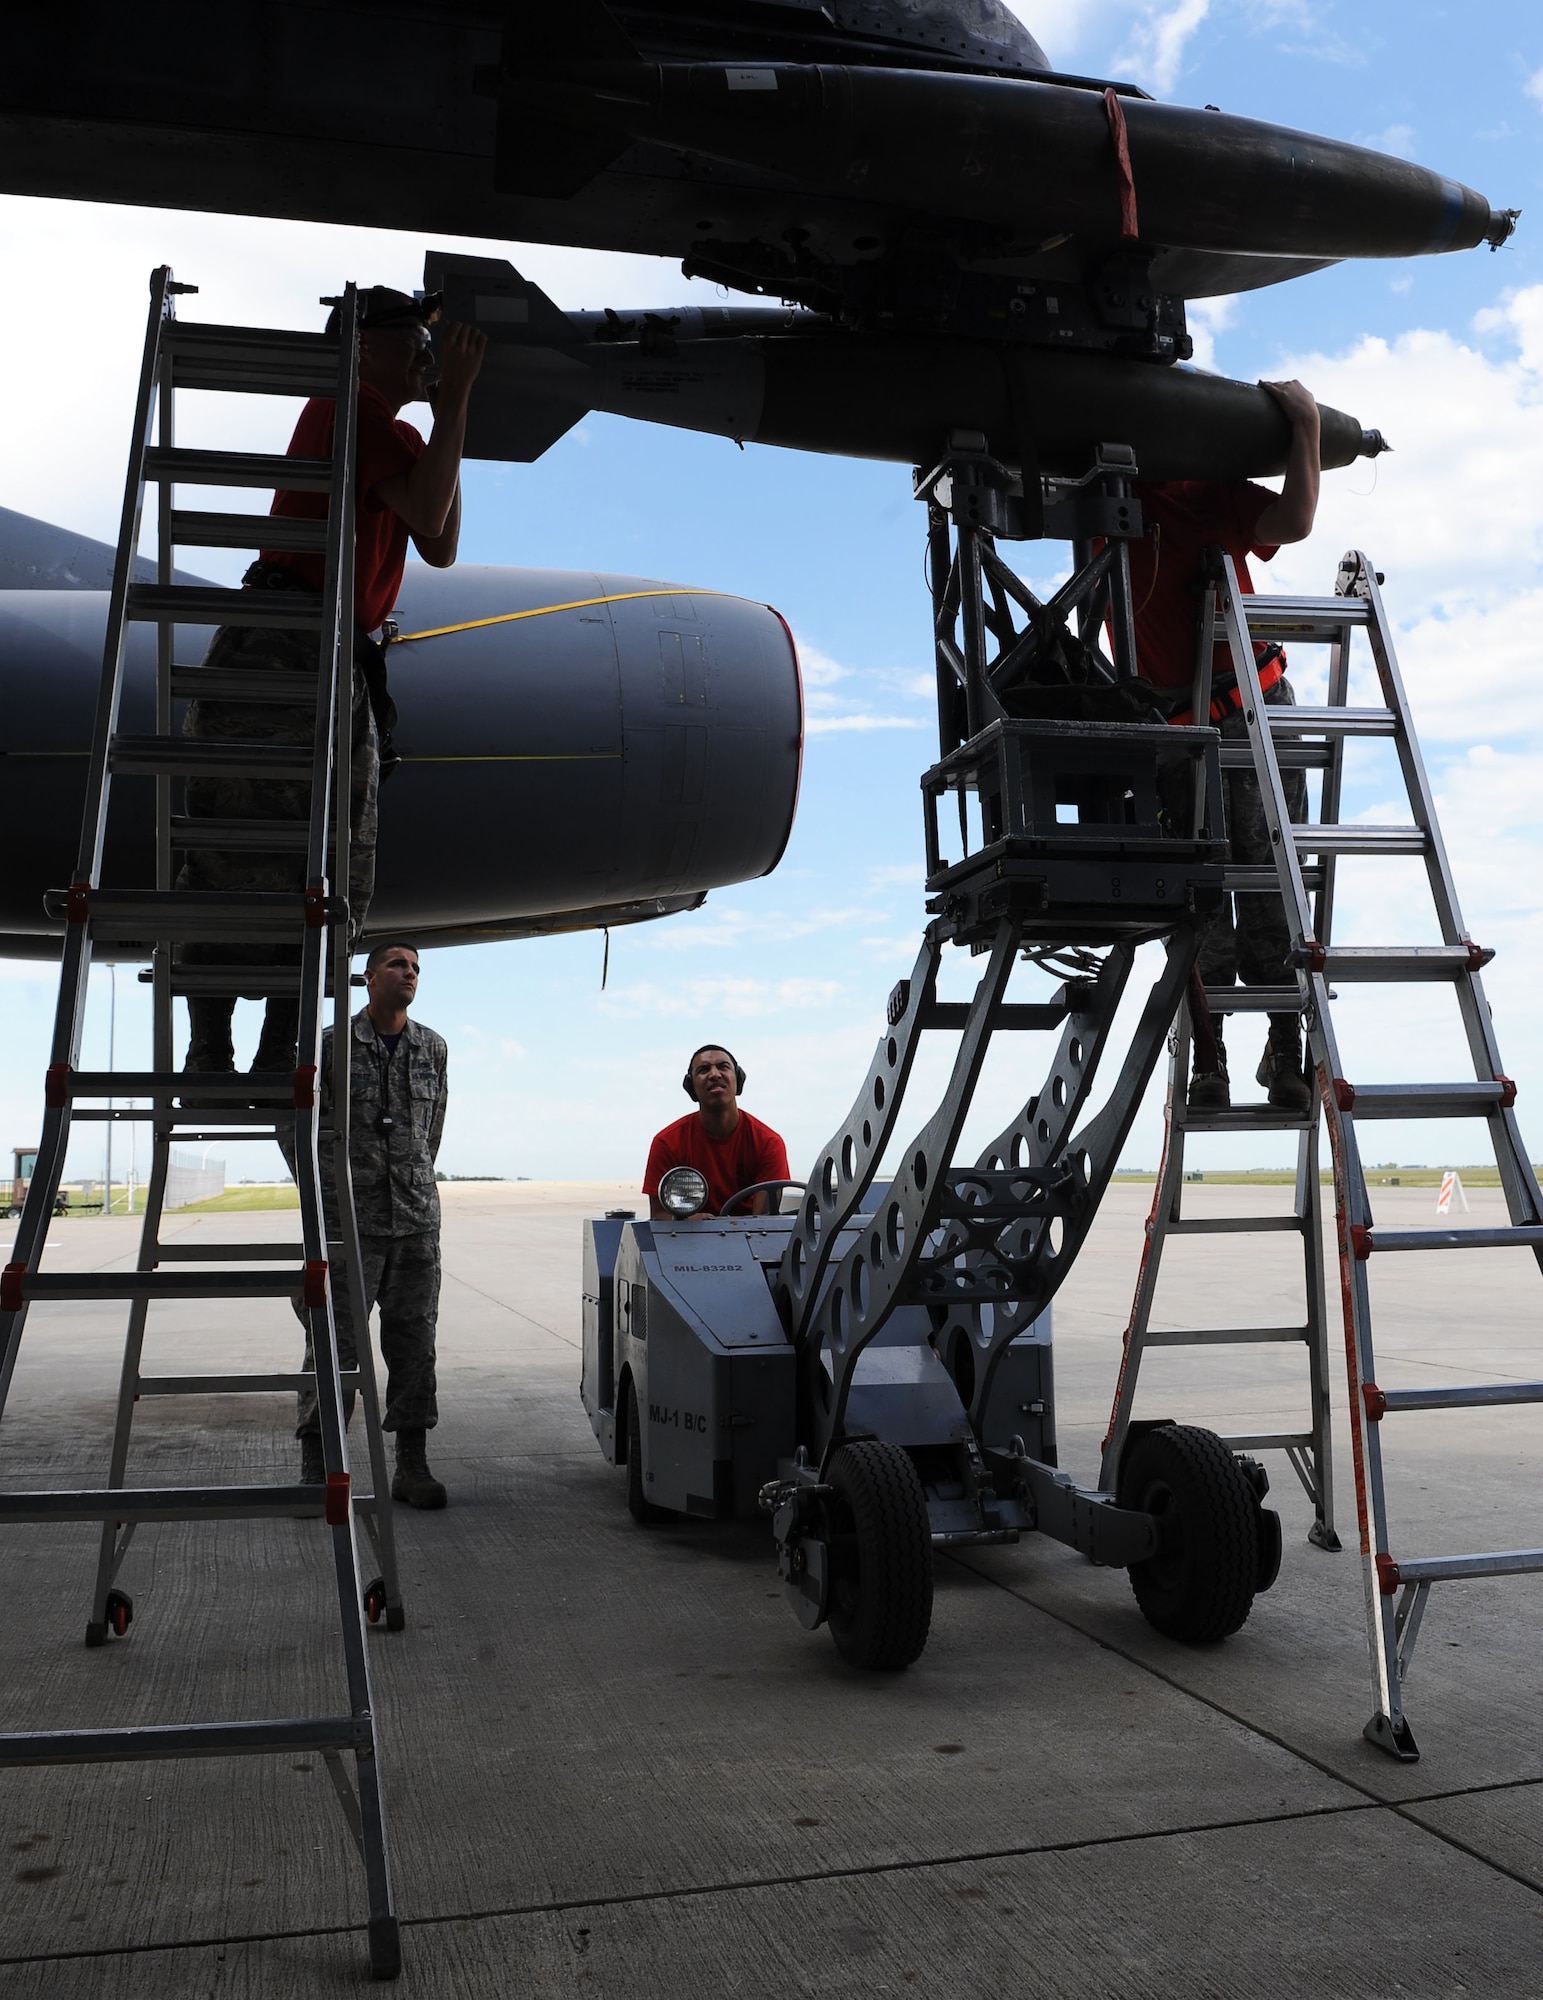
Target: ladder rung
column 230, row 684
column 162, row 1285
column 1254, row 999
column 1297, row 721
column 225, row 1253
column 239, row 468
column 242, row 836
column 185, row 1739
column 1299, row 615
column 1263, row 881
column 203, row 757
column 194, row 530
column 165, row 1503
column 277, row 1086
column 1271, row 1441
column 235, row 1385
column 129, row 915
column 1523, row 1236
column 251, row 359
column 252, row 982
column 1472, row 1396
column 1429, row 1100
column 1223, row 1336
column 1398, row 963
column 1450, row 1569
column 1248, row 1118
column 1350, row 839
column 1289, row 756
column 204, row 604
column 1230, row 1225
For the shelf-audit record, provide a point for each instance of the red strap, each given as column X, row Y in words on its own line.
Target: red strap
column 1231, row 698
column 1129, row 230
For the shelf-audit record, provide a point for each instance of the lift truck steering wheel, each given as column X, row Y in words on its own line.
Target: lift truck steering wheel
column 761, row 1187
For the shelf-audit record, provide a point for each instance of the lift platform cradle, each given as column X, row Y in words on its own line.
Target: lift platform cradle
column 874, row 1369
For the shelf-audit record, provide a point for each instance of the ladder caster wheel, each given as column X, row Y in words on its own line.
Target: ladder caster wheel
column 385, row 1948
column 120, row 1611
column 396, row 1617
column 375, row 1600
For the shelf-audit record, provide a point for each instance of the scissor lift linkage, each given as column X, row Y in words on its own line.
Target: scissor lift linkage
column 136, row 923
column 1397, row 1586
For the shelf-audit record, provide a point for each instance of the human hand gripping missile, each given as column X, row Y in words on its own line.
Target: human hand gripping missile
column 801, row 380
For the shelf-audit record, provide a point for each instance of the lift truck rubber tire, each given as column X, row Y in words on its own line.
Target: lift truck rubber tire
column 639, row 1506
column 1201, row 1585
column 880, row 1543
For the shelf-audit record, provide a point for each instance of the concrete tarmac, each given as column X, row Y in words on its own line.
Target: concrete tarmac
column 615, row 1766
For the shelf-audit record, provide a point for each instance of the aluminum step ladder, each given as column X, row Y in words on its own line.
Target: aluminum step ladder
column 131, row 922
column 1280, row 737
column 1307, row 1449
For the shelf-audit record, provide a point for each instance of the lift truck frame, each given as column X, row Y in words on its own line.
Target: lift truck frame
column 874, row 1369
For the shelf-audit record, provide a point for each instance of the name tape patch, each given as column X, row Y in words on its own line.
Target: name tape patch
column 751, row 79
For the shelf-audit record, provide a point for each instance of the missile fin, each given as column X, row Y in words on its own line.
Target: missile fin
column 490, row 293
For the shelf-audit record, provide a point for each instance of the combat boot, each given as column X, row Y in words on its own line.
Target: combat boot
column 1209, row 1089
column 313, row 1467
column 1280, row 1068
column 414, row 1482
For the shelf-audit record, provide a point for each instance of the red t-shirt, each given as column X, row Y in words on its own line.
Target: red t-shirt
column 752, row 1152
column 1165, row 575
column 387, row 446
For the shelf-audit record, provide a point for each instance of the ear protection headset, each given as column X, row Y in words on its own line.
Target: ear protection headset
column 688, row 1085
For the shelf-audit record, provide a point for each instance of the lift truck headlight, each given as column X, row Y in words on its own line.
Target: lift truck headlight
column 683, row 1190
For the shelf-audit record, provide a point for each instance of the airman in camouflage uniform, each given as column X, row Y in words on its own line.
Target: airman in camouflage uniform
column 254, row 650
column 397, row 1098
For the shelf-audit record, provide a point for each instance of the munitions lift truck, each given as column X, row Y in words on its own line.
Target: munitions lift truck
column 874, row 1369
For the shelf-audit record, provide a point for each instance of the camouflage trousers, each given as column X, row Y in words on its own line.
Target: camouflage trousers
column 1248, row 937
column 251, row 649
column 401, row 1277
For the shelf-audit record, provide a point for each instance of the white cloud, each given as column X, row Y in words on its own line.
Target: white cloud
column 826, row 713
column 1206, row 318
column 1155, row 50
column 1534, row 86
column 1396, row 139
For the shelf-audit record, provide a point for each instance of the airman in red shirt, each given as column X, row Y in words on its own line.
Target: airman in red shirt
column 1182, row 518
column 729, row 1148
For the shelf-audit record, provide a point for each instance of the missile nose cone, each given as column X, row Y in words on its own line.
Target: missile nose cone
column 1502, row 226
column 1373, row 444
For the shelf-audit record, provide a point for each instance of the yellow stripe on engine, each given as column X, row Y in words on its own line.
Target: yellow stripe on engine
column 545, row 610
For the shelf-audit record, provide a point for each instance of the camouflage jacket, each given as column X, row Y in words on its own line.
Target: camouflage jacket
column 393, row 1173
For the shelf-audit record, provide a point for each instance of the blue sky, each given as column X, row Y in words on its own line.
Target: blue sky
column 553, row 1078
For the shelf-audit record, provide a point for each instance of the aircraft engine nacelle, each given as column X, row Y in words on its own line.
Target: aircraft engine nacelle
column 577, row 750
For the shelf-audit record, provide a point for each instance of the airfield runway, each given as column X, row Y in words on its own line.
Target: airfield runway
column 616, row 1766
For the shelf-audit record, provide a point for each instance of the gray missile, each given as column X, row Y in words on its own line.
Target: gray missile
column 1033, row 160
column 794, row 379
column 578, row 750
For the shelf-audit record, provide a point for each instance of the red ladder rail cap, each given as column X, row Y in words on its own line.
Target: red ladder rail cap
column 1388, row 1578
column 11, row 1278
column 56, row 1086
column 305, row 1087
column 315, row 909
column 1478, row 955
column 1507, row 1091
column 314, row 1289
column 1344, row 1094
column 1314, row 956
column 1361, row 1244
column 336, row 1506
column 77, row 903
column 1375, row 1400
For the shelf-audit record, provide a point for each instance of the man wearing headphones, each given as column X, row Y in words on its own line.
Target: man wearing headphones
column 728, row 1147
